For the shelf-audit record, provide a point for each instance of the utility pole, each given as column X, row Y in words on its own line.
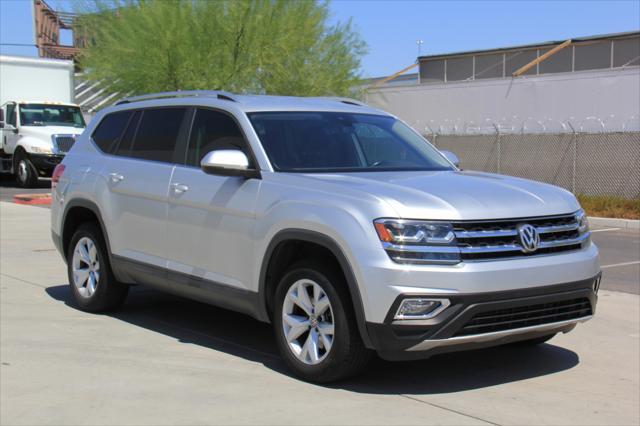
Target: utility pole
column 419, row 43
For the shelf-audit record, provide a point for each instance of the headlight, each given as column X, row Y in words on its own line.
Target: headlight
column 583, row 222
column 41, row 150
column 410, row 241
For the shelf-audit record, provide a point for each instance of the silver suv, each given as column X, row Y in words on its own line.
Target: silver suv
column 332, row 220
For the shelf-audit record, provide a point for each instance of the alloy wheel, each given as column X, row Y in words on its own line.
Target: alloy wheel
column 307, row 322
column 86, row 267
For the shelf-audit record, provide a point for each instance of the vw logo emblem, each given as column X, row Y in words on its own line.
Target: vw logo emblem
column 529, row 237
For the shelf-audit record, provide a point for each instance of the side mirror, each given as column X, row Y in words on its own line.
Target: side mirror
column 1, row 124
column 228, row 162
column 451, row 157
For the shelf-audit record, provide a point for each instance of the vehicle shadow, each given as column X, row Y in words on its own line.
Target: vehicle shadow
column 9, row 181
column 196, row 323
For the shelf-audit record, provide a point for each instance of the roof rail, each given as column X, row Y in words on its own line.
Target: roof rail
column 179, row 94
column 343, row 100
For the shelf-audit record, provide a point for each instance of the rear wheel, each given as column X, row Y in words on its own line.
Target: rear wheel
column 92, row 282
column 315, row 327
column 26, row 172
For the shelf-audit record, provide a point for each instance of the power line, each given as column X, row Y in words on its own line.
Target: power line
column 17, row 44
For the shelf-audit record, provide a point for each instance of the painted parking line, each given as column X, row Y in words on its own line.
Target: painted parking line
column 605, row 230
column 614, row 265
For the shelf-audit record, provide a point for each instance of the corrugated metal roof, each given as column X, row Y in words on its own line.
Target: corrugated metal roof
column 531, row 46
column 399, row 79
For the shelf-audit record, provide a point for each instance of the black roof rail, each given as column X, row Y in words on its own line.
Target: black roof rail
column 347, row 101
column 179, row 94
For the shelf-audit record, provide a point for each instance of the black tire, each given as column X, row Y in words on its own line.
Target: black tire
column 348, row 355
column 534, row 342
column 109, row 293
column 26, row 173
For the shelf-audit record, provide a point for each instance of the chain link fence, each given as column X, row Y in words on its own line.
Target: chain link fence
column 583, row 159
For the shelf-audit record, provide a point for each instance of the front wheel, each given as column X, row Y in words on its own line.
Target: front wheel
column 315, row 327
column 26, row 172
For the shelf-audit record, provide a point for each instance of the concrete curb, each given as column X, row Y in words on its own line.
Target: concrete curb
column 615, row 223
column 32, row 199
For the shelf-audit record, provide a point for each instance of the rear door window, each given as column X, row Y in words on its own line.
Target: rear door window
column 110, row 129
column 157, row 134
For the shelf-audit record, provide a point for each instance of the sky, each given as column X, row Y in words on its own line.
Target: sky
column 391, row 28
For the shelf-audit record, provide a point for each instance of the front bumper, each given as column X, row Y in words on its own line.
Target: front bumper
column 45, row 163
column 474, row 321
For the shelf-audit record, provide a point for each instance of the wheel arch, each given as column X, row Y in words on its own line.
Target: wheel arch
column 78, row 211
column 266, row 286
column 17, row 152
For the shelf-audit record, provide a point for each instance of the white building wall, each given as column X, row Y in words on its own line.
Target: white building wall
column 539, row 103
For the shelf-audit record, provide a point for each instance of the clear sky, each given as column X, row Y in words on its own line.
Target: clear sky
column 391, row 28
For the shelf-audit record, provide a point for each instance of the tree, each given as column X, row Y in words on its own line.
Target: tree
column 262, row 46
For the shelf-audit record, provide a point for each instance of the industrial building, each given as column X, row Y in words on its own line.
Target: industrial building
column 564, row 112
column 585, row 78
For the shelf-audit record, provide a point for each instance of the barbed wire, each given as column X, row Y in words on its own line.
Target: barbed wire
column 517, row 125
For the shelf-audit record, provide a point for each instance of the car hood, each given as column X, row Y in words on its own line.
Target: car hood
column 461, row 195
column 47, row 131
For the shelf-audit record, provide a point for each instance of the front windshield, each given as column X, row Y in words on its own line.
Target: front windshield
column 50, row 115
column 342, row 142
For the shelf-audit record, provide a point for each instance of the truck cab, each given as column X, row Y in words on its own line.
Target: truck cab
column 35, row 136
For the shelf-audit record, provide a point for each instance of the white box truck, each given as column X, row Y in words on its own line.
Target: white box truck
column 39, row 122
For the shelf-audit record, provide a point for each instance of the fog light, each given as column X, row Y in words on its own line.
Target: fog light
column 421, row 308
column 596, row 283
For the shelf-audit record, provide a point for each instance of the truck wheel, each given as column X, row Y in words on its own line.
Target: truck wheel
column 93, row 285
column 314, row 324
column 26, row 172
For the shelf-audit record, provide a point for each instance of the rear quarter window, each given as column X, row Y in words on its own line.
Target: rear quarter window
column 110, row 129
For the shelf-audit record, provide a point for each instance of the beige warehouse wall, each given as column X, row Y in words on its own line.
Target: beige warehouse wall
column 544, row 98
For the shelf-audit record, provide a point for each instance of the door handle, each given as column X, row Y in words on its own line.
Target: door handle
column 179, row 188
column 115, row 177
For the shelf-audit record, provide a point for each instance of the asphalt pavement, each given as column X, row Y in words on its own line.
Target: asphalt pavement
column 8, row 188
column 619, row 258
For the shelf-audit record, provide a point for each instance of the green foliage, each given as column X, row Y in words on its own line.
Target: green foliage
column 610, row 206
column 261, row 46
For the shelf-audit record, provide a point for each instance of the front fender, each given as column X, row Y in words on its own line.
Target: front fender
column 334, row 247
column 351, row 230
column 347, row 232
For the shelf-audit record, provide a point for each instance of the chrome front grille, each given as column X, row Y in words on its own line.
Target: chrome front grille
column 487, row 240
column 64, row 142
